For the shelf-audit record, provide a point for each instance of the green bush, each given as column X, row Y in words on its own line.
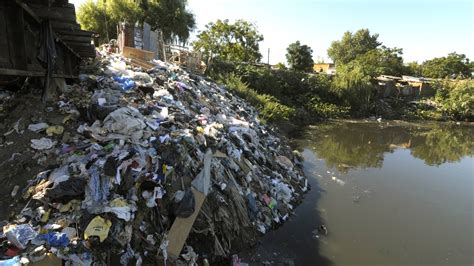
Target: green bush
column 354, row 85
column 289, row 87
column 327, row 110
column 456, row 99
column 269, row 107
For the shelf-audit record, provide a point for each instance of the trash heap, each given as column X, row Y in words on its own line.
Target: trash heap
column 151, row 166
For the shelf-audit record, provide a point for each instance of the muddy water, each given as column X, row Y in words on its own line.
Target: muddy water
column 388, row 193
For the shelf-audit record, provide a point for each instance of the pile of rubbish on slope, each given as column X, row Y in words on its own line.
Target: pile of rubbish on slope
column 150, row 166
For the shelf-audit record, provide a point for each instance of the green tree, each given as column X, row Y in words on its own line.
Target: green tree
column 382, row 61
column 353, row 84
column 352, row 45
column 452, row 65
column 299, row 57
column 124, row 10
column 169, row 16
column 414, row 69
column 235, row 42
column 172, row 18
column 280, row 66
column 471, row 67
column 93, row 16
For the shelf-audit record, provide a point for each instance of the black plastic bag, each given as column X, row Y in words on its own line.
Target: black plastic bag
column 186, row 206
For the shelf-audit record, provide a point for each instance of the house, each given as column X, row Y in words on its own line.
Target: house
column 141, row 44
column 328, row 68
column 137, row 41
column 405, row 86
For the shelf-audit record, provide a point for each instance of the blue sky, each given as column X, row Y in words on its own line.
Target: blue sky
column 424, row 29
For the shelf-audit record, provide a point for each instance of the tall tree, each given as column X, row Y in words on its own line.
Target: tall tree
column 170, row 16
column 299, row 57
column 93, row 16
column 415, row 69
column 352, row 45
column 237, row 42
column 453, row 65
column 382, row 61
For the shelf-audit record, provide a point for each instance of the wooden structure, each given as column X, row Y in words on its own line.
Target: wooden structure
column 41, row 38
column 184, row 57
column 135, row 53
column 406, row 86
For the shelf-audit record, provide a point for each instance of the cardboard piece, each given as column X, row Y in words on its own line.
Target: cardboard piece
column 182, row 226
column 131, row 52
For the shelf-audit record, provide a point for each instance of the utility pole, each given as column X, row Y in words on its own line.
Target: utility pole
column 268, row 57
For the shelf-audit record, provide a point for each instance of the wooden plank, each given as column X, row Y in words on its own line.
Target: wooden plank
column 76, row 39
column 182, row 226
column 140, row 63
column 131, row 52
column 28, row 73
column 4, row 48
column 57, row 25
column 55, row 13
column 29, row 11
column 16, row 36
column 17, row 72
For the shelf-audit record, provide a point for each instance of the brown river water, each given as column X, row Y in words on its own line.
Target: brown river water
column 389, row 193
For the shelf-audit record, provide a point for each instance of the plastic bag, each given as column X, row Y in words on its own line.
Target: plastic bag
column 70, row 189
column 55, row 239
column 15, row 261
column 20, row 235
column 98, row 227
column 125, row 82
column 42, row 144
column 186, row 206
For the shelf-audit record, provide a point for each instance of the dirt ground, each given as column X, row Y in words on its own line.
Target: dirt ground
column 18, row 161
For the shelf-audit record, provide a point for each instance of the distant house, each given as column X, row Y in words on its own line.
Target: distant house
column 328, row 68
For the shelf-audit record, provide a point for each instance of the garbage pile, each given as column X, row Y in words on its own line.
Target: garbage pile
column 150, row 167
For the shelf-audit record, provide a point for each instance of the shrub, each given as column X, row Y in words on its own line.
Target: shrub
column 327, row 110
column 354, row 86
column 456, row 98
column 269, row 107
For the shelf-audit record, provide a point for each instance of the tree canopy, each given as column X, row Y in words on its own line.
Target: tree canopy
column 169, row 16
column 280, row 66
column 92, row 16
column 299, row 57
column 414, row 69
column 172, row 18
column 452, row 65
column 382, row 61
column 352, row 45
column 235, row 42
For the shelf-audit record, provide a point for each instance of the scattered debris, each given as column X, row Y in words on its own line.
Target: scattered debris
column 145, row 163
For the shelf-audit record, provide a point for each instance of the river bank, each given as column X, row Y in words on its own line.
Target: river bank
column 284, row 96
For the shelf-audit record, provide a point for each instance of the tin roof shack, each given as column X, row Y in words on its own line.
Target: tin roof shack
column 387, row 86
column 40, row 37
column 406, row 86
column 141, row 44
column 421, row 87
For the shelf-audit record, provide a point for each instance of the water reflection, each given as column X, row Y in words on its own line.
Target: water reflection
column 363, row 144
